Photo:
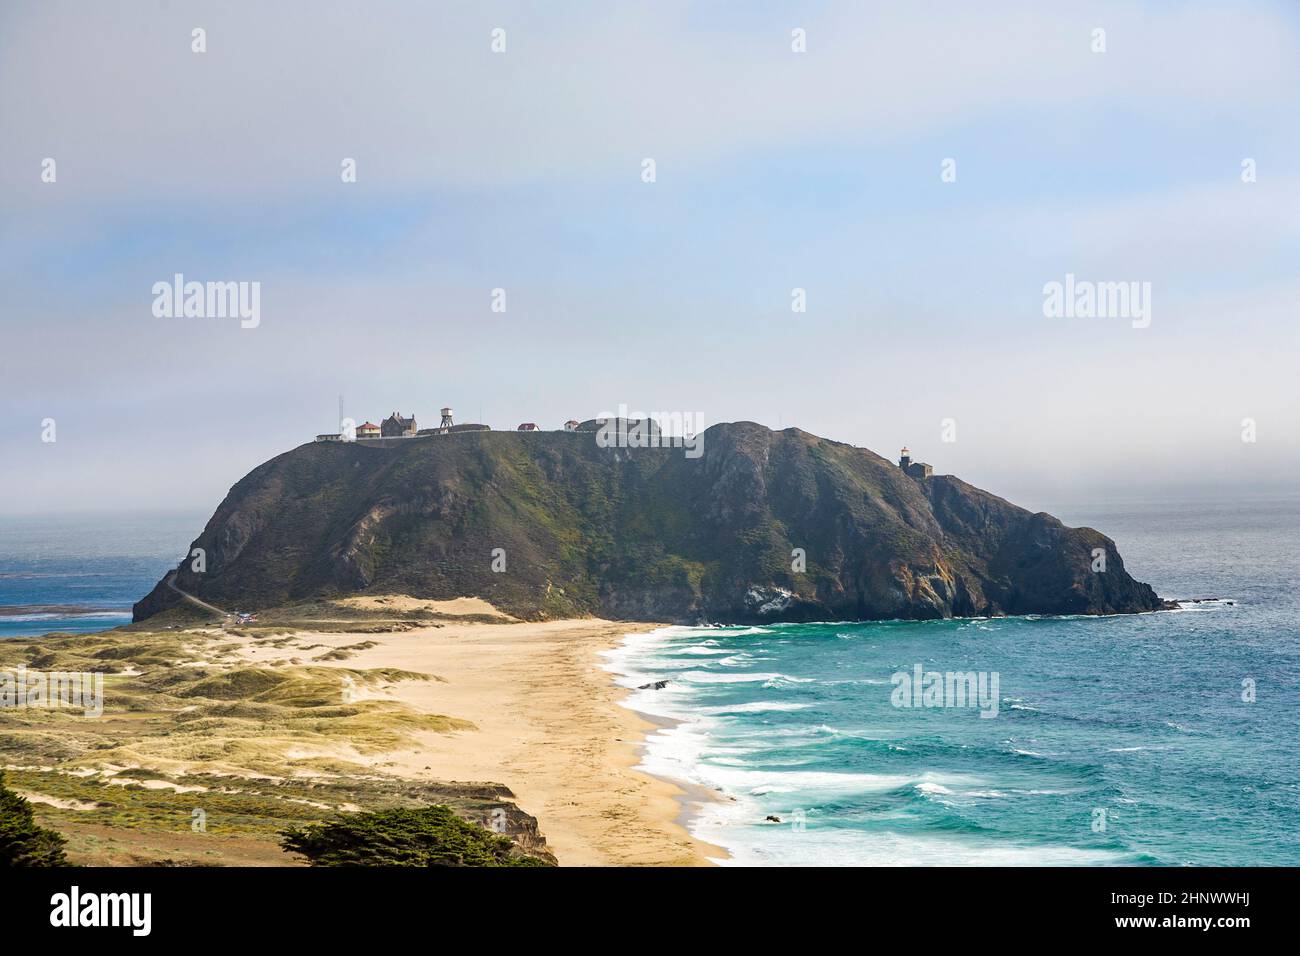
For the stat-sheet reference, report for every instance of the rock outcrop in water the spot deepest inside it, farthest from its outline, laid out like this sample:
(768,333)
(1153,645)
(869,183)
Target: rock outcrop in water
(643,533)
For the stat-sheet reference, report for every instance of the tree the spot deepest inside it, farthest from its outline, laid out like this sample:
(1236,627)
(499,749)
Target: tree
(22,841)
(405,836)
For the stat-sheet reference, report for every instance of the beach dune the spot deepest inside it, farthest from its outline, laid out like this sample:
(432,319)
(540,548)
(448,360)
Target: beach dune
(547,724)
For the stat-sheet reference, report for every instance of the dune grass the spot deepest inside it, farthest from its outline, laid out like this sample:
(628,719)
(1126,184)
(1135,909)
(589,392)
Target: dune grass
(195,742)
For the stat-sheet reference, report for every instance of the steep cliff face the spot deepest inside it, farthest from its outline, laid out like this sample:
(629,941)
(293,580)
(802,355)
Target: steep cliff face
(643,533)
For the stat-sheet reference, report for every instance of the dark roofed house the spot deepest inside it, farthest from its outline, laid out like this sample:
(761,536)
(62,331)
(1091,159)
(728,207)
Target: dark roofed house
(648,426)
(527,427)
(572,425)
(453,429)
(395,426)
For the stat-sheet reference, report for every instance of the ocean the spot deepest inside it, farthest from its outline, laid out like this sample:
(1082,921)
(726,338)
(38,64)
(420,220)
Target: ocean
(1116,740)
(1170,738)
(82,572)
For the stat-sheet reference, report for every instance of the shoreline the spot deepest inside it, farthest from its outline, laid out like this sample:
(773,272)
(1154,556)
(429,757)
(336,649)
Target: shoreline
(549,723)
(372,700)
(692,796)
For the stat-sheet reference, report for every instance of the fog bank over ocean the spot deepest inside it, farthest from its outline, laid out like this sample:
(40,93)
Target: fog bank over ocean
(817,175)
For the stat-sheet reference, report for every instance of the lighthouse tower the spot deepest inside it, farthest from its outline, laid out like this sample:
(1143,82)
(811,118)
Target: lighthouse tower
(914,469)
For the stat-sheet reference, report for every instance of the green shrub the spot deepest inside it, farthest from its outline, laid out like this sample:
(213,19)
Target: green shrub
(22,842)
(424,836)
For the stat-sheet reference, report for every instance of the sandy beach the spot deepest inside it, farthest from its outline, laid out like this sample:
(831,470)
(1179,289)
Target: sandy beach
(547,724)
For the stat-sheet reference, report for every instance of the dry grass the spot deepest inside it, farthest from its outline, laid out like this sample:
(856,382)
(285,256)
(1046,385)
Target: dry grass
(190,726)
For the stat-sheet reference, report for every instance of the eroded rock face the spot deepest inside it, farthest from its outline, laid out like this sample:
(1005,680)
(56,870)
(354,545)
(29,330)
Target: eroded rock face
(771,601)
(644,533)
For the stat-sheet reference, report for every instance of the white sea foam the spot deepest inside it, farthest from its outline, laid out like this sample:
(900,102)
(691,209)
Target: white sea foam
(715,748)
(66,615)
(927,787)
(680,752)
(832,846)
(709,677)
(769,733)
(754,707)
(785,680)
(873,734)
(868,681)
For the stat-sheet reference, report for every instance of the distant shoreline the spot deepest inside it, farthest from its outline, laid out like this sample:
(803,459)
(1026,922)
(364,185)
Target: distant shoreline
(61,610)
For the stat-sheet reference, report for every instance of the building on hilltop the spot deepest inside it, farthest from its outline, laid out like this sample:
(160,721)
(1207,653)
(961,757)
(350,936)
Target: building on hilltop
(369,430)
(395,426)
(914,469)
(453,429)
(572,425)
(528,427)
(469,427)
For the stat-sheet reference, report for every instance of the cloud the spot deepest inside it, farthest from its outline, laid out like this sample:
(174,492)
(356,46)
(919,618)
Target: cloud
(285,91)
(478,170)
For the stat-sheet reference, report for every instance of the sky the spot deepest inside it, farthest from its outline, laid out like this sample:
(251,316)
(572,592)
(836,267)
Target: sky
(523,169)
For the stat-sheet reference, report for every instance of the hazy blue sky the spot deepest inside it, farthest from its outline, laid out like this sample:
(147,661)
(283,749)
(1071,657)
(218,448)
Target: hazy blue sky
(775,170)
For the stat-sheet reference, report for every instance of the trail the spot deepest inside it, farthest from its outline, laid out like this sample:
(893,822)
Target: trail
(171,583)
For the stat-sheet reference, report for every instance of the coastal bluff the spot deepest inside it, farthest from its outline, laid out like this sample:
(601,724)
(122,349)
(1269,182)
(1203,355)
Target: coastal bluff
(762,526)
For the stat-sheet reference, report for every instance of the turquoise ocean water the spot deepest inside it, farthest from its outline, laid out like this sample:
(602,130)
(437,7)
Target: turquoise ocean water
(1117,740)
(1137,716)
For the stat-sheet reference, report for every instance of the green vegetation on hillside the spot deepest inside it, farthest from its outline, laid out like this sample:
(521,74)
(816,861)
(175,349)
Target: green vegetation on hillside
(642,533)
